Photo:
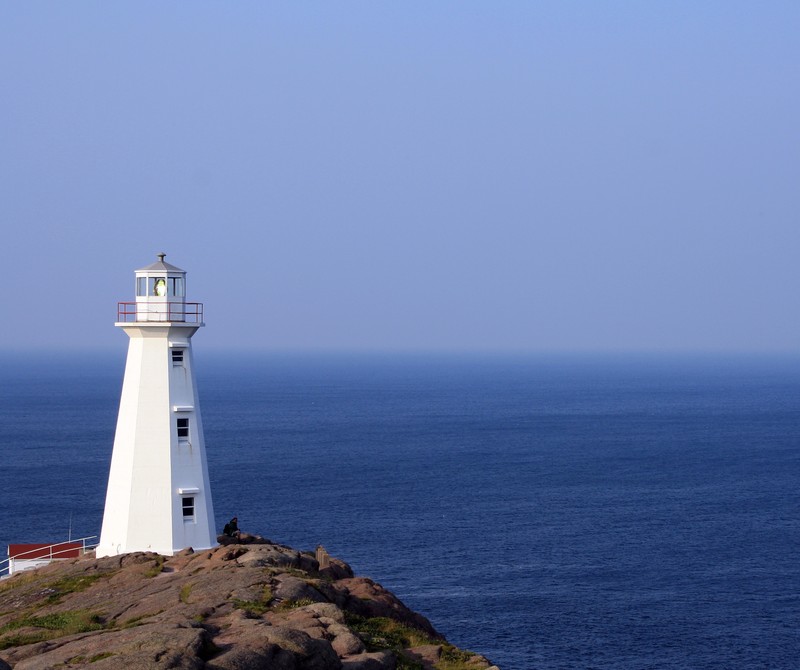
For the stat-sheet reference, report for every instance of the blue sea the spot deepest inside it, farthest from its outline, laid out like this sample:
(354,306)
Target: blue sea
(622,512)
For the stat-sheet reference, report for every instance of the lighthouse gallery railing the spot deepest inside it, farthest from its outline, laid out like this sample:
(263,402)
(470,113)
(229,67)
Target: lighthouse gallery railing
(129,312)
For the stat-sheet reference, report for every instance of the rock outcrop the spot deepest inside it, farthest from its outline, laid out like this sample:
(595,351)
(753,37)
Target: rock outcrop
(241,606)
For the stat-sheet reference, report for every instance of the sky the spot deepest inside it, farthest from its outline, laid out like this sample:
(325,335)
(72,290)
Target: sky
(419,176)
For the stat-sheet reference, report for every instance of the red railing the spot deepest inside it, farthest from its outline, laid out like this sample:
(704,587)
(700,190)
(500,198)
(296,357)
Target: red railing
(129,312)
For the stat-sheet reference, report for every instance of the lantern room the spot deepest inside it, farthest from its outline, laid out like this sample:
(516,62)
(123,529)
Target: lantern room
(160,296)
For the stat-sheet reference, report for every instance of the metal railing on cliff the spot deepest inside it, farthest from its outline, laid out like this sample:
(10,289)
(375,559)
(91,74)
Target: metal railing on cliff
(46,552)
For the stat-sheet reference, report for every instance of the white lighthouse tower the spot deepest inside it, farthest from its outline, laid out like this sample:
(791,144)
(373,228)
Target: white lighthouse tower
(158,497)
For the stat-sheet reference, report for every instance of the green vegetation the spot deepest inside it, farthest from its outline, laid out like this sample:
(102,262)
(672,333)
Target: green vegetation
(53,625)
(71,585)
(454,658)
(157,568)
(186,591)
(255,608)
(137,620)
(17,580)
(57,624)
(294,604)
(294,572)
(379,633)
(252,608)
(20,640)
(80,660)
(405,663)
(75,621)
(100,657)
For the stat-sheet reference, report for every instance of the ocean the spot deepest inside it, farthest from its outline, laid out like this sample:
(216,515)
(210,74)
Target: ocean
(623,512)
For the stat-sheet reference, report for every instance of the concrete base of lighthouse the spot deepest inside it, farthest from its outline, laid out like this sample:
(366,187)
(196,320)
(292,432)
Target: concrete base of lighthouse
(159,496)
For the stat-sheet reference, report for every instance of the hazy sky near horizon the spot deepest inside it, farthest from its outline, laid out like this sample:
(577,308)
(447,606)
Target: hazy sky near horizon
(540,176)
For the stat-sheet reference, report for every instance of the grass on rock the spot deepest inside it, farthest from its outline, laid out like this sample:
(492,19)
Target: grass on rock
(48,626)
(380,633)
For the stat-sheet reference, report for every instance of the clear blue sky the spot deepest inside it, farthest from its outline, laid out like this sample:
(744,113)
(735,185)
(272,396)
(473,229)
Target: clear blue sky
(541,176)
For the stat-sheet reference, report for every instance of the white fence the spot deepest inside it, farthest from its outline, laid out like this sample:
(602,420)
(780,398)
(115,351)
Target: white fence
(42,554)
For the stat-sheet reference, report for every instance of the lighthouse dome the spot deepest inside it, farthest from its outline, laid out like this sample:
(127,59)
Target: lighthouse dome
(160,266)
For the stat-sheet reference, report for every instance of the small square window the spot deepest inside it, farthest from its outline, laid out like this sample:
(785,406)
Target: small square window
(183,429)
(177,356)
(188,506)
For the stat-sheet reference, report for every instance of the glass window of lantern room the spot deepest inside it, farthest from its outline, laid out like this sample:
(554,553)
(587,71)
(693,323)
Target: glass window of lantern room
(176,286)
(141,286)
(159,285)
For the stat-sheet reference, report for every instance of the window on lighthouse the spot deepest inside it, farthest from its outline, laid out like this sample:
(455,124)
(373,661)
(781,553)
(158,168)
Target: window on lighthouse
(176,286)
(188,507)
(177,357)
(183,429)
(151,286)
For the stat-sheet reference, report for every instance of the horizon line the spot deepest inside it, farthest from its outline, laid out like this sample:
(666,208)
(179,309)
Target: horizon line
(420,351)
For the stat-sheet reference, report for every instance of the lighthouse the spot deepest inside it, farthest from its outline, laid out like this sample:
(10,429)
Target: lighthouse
(159,497)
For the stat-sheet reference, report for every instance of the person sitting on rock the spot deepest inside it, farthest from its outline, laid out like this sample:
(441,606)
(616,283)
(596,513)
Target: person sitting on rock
(231,528)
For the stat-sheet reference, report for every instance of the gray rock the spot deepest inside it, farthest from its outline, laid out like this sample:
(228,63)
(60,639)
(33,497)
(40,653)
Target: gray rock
(379,660)
(267,555)
(327,611)
(289,588)
(347,644)
(272,657)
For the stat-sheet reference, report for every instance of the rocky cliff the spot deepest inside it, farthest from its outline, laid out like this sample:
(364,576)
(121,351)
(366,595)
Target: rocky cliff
(235,607)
